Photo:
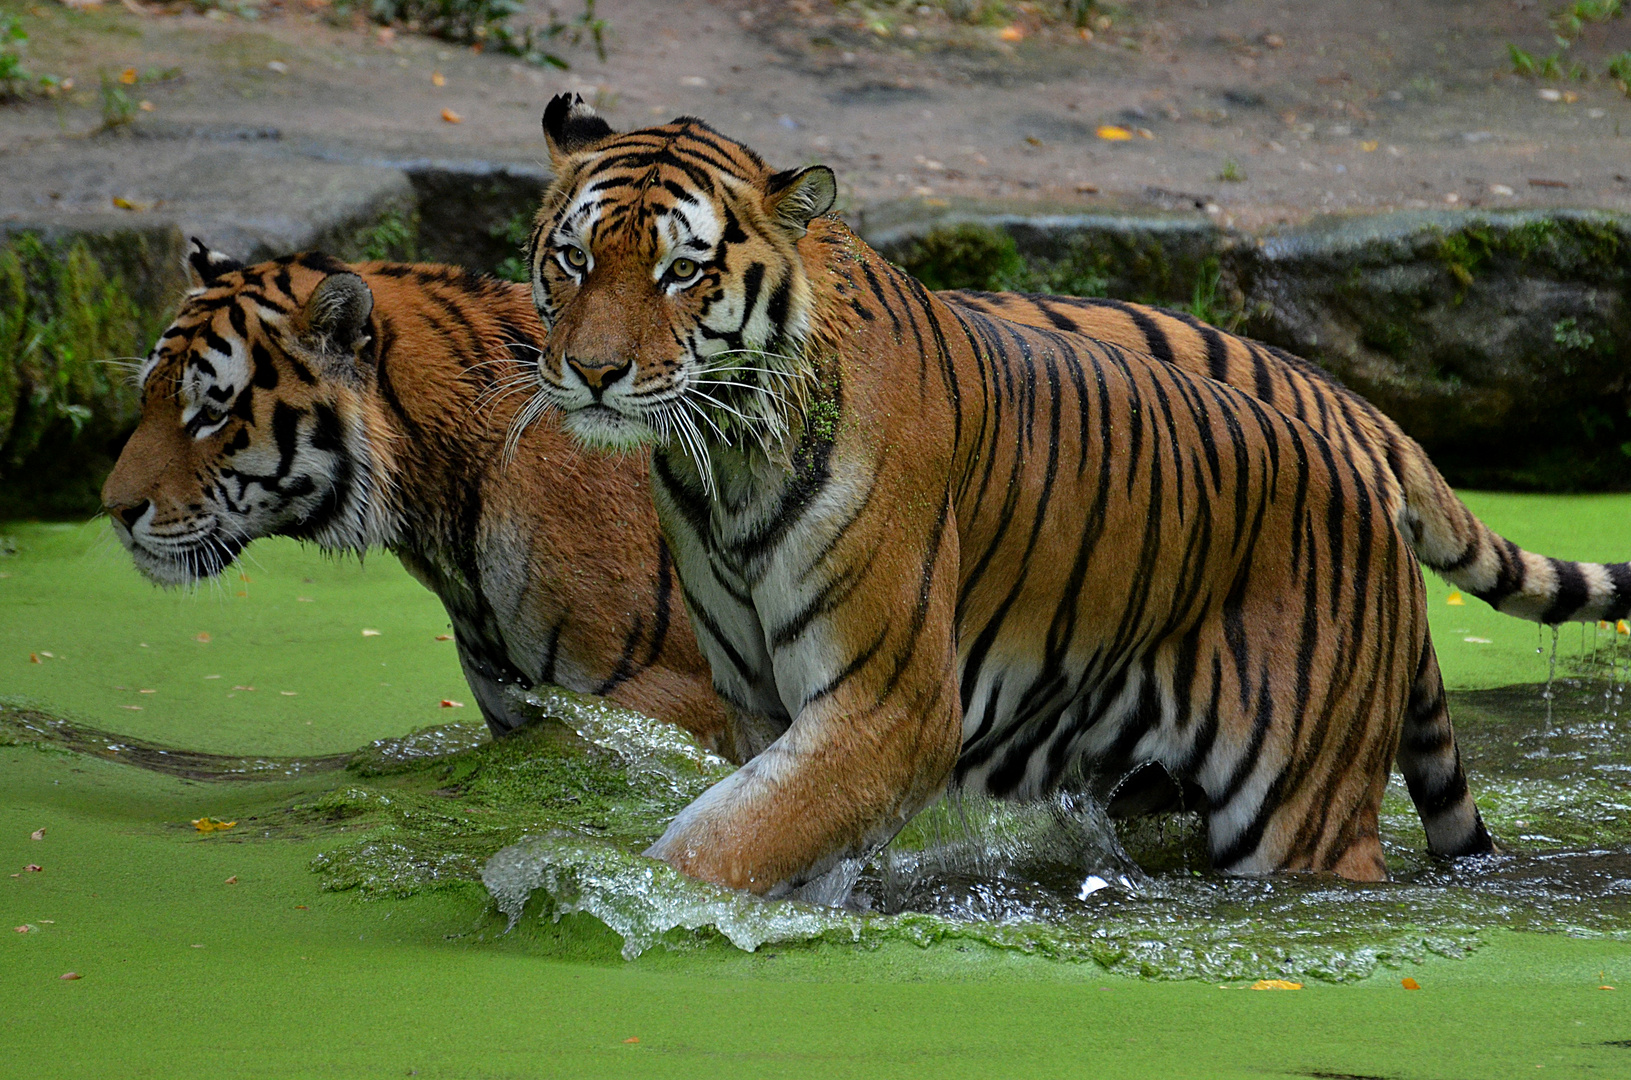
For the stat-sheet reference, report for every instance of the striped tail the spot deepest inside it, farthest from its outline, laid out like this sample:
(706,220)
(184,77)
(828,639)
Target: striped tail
(1431,763)
(1450,539)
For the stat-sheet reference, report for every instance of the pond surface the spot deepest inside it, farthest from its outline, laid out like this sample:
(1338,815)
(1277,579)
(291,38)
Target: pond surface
(552,823)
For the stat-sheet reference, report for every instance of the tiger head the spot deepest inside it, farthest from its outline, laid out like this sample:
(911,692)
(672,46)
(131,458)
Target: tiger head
(665,264)
(253,419)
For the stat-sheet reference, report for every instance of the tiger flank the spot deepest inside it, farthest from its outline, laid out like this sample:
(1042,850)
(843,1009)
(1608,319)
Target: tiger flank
(368,406)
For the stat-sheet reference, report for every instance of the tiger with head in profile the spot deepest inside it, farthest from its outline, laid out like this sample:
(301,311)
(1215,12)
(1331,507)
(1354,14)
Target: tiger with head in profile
(338,404)
(923,545)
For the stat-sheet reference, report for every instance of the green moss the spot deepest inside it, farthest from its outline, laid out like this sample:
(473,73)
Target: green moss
(1569,246)
(69,333)
(965,256)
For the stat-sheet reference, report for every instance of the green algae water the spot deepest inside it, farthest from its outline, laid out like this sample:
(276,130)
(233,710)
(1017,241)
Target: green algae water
(550,824)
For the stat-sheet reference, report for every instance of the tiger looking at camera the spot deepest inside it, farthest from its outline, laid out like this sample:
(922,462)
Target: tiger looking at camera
(924,545)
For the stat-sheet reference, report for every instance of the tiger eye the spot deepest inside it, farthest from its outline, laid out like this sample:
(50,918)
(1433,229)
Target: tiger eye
(576,259)
(682,268)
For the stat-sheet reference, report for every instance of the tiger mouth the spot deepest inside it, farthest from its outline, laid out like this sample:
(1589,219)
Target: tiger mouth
(186,561)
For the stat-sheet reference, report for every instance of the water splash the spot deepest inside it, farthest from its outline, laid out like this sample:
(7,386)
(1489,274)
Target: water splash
(1055,878)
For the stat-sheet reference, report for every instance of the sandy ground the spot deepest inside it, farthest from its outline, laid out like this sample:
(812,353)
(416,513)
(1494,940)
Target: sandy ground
(1370,104)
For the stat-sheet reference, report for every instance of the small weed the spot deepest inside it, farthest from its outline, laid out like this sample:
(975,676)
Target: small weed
(1567,333)
(117,108)
(394,238)
(17,83)
(1231,173)
(1619,69)
(1206,305)
(517,230)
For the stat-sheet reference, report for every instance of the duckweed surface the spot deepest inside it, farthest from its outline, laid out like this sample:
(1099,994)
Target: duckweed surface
(553,823)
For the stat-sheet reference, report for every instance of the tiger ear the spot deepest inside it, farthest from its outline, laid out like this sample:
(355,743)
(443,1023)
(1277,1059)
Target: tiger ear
(570,125)
(206,267)
(796,197)
(338,310)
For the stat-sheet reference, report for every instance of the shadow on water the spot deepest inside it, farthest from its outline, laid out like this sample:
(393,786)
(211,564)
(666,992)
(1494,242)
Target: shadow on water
(552,823)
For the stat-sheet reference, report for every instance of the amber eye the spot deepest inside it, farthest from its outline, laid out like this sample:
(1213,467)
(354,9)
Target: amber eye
(681,269)
(575,258)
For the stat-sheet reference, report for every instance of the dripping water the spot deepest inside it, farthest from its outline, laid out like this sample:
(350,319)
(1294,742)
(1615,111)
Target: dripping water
(1551,678)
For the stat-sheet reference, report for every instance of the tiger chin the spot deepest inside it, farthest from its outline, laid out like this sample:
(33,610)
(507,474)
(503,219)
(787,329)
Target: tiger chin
(369,406)
(925,545)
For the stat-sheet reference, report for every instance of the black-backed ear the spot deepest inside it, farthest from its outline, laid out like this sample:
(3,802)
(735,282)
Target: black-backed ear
(571,125)
(798,196)
(206,267)
(338,311)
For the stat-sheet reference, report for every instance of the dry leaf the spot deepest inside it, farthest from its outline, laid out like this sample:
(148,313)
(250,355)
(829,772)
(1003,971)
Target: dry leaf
(48,656)
(25,929)
(1621,628)
(203,637)
(233,880)
(444,637)
(449,703)
(146,106)
(1410,984)
(33,868)
(1455,599)
(631,1039)
(438,79)
(209,824)
(1605,988)
(1275,984)
(1477,640)
(1113,133)
(277,66)
(370,633)
(1087,189)
(33,659)
(452,117)
(1369,145)
(128,76)
(1011,33)
(37,834)
(243,688)
(70,976)
(132,708)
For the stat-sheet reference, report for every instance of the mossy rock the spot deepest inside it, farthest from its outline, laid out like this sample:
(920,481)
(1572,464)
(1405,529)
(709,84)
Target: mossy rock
(77,312)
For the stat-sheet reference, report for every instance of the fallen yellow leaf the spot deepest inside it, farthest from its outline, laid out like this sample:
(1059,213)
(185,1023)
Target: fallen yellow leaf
(1410,984)
(1621,628)
(1275,984)
(209,824)
(452,117)
(1455,599)
(370,633)
(128,76)
(233,880)
(203,638)
(1113,133)
(1368,145)
(438,79)
(1011,33)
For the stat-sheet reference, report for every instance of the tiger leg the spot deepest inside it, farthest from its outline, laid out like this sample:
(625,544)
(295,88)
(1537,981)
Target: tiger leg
(876,731)
(1431,763)
(1310,799)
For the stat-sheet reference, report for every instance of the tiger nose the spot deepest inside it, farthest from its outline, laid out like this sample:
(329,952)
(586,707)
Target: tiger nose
(130,514)
(597,377)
